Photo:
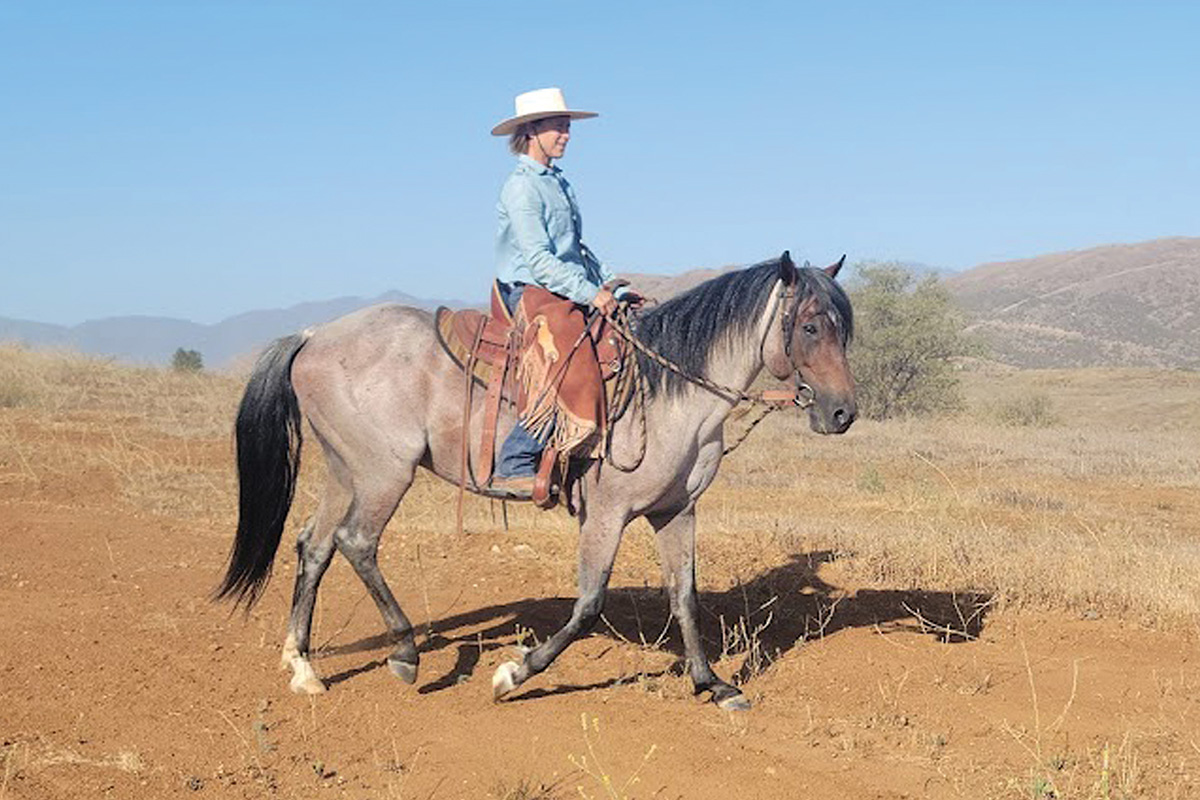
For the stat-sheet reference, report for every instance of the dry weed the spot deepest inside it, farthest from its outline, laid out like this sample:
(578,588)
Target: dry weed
(593,766)
(1098,515)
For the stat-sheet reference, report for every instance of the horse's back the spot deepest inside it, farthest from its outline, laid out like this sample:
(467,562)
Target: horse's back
(371,379)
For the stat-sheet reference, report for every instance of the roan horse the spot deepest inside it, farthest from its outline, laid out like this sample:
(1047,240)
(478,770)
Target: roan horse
(383,397)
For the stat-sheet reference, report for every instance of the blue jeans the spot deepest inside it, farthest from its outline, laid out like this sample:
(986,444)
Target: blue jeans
(520,453)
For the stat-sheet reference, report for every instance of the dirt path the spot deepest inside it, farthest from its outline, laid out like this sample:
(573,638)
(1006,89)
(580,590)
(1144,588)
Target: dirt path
(119,679)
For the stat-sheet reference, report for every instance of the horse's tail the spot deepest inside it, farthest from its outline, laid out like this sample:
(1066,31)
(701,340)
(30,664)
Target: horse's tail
(268,436)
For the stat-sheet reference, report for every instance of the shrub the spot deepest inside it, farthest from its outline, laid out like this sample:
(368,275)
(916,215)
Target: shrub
(187,360)
(15,392)
(1027,411)
(907,334)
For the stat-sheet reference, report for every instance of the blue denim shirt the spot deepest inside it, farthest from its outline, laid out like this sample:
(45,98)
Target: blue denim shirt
(540,238)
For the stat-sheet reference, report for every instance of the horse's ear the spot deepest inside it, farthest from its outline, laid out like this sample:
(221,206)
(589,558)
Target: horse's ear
(833,269)
(787,268)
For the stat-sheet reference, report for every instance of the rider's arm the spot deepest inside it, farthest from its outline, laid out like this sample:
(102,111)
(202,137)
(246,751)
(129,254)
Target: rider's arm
(525,209)
(606,274)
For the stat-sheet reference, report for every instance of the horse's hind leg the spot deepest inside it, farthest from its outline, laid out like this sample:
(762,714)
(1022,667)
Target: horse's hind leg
(677,549)
(598,541)
(314,551)
(358,541)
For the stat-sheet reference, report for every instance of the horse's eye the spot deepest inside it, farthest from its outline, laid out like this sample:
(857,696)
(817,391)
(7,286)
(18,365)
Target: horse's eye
(810,329)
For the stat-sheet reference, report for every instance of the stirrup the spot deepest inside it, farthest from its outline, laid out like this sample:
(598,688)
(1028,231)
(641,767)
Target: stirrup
(546,482)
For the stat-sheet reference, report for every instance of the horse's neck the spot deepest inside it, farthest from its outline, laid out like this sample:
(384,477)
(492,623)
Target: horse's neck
(734,363)
(737,362)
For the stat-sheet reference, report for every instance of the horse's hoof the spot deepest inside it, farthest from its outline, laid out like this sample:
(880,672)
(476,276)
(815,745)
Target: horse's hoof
(310,685)
(734,702)
(403,670)
(504,680)
(304,678)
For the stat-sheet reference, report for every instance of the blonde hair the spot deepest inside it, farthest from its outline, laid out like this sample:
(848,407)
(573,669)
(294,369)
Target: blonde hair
(518,140)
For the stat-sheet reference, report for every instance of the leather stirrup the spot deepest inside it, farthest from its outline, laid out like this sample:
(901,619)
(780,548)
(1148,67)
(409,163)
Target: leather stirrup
(545,492)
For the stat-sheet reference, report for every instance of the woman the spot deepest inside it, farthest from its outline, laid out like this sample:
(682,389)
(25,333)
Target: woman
(539,243)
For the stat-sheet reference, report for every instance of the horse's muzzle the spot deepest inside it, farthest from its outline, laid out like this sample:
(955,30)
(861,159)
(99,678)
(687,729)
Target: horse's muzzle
(832,415)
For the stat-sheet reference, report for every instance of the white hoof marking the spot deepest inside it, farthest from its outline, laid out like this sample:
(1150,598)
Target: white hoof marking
(304,678)
(290,652)
(504,679)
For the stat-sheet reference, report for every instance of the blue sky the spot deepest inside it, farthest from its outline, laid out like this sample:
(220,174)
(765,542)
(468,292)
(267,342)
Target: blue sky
(199,159)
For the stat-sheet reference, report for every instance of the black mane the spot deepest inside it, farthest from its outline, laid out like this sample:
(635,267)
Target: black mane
(687,328)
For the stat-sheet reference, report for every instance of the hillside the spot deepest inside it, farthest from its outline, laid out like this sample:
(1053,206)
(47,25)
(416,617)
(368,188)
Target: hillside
(1118,305)
(144,339)
(149,339)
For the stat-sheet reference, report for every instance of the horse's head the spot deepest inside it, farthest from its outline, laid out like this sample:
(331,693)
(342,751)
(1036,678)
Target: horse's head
(814,326)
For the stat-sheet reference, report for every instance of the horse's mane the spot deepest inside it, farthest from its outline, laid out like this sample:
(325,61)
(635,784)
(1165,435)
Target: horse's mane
(687,328)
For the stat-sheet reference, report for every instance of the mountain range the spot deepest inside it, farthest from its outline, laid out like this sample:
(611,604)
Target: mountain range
(145,339)
(1116,305)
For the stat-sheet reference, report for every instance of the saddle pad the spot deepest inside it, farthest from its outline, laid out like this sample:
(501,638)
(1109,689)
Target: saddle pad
(457,330)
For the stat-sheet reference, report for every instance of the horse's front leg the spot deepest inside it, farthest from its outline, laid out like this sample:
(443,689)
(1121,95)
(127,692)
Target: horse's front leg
(677,549)
(599,537)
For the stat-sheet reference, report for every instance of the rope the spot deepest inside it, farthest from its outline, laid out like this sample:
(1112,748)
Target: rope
(699,380)
(803,399)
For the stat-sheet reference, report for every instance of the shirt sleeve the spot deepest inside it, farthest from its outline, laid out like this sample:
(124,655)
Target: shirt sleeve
(606,274)
(524,208)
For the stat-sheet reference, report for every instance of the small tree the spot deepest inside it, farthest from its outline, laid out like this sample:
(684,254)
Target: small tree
(187,360)
(907,331)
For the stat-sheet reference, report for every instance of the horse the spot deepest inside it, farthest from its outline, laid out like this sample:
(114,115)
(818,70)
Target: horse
(382,397)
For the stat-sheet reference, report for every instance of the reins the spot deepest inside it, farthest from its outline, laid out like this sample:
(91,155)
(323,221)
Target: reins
(768,400)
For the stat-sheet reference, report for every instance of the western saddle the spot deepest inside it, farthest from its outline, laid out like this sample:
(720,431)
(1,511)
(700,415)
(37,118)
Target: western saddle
(495,351)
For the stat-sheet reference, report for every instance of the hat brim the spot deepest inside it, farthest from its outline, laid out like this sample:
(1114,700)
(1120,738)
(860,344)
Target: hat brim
(510,125)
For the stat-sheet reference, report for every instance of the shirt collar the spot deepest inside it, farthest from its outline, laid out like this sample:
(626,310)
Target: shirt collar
(537,167)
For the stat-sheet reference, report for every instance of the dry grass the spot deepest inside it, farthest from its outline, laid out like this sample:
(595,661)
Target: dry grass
(149,434)
(1095,514)
(1098,514)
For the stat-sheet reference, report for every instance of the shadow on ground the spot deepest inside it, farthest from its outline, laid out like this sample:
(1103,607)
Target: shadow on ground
(762,618)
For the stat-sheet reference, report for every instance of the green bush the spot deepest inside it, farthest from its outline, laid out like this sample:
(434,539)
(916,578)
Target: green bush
(908,333)
(187,360)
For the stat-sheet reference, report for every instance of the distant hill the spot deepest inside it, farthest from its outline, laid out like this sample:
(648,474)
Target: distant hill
(1118,305)
(154,339)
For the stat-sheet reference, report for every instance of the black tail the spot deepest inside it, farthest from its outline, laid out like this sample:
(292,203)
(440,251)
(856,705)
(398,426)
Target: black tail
(268,436)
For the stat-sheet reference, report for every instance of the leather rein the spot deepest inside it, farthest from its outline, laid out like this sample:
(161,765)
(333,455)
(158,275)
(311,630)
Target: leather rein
(802,396)
(767,400)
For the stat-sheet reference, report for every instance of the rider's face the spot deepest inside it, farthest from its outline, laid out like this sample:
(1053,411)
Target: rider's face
(550,138)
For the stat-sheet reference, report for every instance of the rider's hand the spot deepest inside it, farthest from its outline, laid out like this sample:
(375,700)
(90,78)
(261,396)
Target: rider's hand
(605,301)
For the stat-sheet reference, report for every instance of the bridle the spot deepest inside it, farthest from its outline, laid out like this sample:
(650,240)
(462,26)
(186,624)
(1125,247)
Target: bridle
(803,395)
(766,401)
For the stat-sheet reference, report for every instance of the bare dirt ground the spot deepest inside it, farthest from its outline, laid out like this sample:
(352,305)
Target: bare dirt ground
(916,611)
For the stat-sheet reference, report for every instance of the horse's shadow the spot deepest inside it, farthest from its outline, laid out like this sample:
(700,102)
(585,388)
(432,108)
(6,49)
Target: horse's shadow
(757,620)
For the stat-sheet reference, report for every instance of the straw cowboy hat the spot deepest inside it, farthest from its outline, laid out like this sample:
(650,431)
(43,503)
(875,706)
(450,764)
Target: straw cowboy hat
(539,104)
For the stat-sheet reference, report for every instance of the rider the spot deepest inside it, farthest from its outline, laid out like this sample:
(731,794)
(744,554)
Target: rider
(539,243)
